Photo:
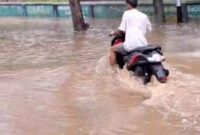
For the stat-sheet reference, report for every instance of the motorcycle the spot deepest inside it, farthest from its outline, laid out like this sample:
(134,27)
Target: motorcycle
(143,62)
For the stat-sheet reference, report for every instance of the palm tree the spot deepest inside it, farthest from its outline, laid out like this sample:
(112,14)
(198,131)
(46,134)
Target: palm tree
(77,16)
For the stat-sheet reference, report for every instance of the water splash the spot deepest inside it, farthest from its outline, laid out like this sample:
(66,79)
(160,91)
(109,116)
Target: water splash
(169,99)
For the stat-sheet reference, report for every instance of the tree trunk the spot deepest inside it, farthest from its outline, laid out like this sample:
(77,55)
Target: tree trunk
(159,11)
(77,16)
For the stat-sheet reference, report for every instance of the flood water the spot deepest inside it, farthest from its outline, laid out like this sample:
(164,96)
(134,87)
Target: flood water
(54,81)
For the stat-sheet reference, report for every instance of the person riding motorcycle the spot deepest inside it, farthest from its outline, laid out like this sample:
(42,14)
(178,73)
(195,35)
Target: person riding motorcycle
(135,25)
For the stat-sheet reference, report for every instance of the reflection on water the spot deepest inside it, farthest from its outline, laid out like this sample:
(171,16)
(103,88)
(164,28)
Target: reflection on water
(54,81)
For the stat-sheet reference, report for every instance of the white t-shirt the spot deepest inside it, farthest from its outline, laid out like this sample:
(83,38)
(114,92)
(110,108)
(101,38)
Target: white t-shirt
(135,24)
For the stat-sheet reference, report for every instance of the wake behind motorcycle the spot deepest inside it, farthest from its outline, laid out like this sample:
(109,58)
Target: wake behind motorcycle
(144,62)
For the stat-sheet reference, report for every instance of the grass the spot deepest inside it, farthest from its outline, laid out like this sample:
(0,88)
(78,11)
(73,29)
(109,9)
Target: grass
(141,1)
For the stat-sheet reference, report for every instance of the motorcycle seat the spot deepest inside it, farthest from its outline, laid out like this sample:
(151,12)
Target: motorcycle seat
(146,49)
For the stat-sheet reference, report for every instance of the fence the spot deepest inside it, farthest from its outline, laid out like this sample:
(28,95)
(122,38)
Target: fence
(90,9)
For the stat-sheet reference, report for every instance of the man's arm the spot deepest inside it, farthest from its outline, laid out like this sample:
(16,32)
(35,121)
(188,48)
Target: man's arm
(117,32)
(148,24)
(122,27)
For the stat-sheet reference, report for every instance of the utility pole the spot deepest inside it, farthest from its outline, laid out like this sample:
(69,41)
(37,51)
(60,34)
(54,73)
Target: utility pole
(77,16)
(159,11)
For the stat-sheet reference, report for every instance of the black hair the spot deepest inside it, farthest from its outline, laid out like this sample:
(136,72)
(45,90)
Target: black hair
(133,3)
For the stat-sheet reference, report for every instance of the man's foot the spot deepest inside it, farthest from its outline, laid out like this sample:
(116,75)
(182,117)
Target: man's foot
(114,70)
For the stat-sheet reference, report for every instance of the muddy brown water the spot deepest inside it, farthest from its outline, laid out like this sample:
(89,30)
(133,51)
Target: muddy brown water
(54,81)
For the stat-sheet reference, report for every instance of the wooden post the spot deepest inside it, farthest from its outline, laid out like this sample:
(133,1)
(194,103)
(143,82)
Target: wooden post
(185,13)
(25,13)
(92,11)
(55,11)
(77,16)
(159,11)
(179,11)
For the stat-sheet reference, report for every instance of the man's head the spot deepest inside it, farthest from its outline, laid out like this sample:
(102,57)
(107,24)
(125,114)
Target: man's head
(132,3)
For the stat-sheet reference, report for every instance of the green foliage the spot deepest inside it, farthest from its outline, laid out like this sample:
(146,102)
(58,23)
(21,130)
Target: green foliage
(168,1)
(45,0)
(141,1)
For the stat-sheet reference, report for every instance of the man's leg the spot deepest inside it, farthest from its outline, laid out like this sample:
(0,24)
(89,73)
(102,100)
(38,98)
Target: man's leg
(113,51)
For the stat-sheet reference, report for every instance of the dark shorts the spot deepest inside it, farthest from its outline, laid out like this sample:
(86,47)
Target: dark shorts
(122,50)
